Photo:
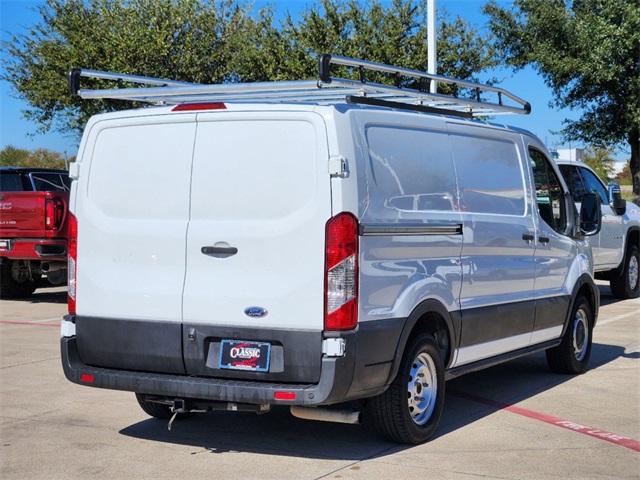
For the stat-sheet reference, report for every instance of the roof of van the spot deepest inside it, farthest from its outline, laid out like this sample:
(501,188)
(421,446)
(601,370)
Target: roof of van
(200,107)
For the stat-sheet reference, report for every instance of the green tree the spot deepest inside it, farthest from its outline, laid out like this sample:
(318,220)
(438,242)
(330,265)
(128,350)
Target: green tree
(11,156)
(602,161)
(215,41)
(588,52)
(391,32)
(624,176)
(190,40)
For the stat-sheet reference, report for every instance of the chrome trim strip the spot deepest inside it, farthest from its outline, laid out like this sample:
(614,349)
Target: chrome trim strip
(408,229)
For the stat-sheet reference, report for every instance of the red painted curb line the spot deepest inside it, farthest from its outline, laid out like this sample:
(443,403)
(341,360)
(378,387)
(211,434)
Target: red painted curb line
(550,419)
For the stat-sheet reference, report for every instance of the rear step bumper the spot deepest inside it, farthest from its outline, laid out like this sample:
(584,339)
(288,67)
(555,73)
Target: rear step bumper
(333,386)
(35,249)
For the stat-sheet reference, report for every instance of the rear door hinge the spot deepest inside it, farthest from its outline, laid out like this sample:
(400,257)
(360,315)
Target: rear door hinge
(338,167)
(74,170)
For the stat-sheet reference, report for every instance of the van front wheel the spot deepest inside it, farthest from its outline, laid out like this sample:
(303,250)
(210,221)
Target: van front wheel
(410,409)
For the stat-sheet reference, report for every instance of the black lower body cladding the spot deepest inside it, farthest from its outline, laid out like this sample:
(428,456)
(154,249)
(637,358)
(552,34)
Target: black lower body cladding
(182,361)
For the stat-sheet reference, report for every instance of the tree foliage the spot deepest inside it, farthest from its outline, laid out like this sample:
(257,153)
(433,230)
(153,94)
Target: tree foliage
(624,176)
(394,34)
(601,160)
(214,41)
(11,156)
(588,52)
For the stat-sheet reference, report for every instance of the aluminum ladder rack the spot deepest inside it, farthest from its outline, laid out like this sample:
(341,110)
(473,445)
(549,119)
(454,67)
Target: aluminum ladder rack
(327,90)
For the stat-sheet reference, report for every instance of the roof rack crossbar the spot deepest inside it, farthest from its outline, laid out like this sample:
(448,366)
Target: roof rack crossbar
(325,77)
(326,90)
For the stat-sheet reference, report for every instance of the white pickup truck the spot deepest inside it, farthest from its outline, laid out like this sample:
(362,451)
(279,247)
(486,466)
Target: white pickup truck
(615,248)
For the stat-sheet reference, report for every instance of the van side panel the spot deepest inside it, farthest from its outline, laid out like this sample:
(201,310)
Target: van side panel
(410,232)
(496,299)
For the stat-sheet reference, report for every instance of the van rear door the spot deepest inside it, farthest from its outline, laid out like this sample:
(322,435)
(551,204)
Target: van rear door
(132,210)
(260,199)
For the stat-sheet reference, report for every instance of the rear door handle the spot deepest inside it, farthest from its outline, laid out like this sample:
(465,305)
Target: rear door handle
(219,252)
(543,239)
(528,237)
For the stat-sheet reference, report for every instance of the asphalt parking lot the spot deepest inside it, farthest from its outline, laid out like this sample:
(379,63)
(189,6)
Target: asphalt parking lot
(514,421)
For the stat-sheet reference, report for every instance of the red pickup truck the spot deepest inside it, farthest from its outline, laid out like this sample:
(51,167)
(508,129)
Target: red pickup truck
(33,229)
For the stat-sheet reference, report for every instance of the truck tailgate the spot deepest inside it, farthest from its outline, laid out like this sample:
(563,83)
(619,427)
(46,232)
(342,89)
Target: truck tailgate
(25,214)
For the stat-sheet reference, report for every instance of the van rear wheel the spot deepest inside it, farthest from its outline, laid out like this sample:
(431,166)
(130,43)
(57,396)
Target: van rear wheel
(572,355)
(410,409)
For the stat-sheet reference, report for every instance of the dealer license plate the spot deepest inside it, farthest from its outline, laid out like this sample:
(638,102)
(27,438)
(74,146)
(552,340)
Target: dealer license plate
(245,355)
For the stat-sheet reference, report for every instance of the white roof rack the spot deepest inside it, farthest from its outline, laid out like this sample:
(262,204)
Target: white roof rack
(325,90)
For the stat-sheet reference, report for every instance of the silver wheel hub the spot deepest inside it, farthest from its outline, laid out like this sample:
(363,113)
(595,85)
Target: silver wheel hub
(422,389)
(580,335)
(633,272)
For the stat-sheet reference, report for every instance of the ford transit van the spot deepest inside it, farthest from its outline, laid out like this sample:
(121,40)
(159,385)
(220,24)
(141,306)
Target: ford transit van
(245,246)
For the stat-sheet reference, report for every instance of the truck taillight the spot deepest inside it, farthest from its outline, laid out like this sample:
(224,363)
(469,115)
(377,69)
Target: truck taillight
(53,213)
(71,267)
(341,273)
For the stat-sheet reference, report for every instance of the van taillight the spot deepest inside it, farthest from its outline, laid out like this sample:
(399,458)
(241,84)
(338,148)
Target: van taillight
(71,267)
(53,213)
(341,273)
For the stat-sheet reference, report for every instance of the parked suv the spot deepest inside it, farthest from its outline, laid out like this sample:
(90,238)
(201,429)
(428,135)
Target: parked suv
(615,248)
(283,244)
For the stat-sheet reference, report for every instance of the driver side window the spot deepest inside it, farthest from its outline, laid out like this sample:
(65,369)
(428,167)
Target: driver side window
(549,192)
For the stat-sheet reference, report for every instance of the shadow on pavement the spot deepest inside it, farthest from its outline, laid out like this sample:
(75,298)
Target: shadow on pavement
(279,433)
(46,295)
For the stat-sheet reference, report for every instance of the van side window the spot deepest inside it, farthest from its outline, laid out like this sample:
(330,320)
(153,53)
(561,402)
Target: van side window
(548,192)
(490,175)
(412,168)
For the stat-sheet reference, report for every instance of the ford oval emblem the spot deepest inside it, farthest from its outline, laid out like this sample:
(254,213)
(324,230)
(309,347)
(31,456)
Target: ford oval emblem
(256,312)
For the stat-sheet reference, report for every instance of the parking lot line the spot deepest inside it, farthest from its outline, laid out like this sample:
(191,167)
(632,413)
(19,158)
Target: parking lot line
(33,324)
(550,419)
(616,318)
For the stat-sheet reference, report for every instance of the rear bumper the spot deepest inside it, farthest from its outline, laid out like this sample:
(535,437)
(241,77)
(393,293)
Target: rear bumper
(34,249)
(334,383)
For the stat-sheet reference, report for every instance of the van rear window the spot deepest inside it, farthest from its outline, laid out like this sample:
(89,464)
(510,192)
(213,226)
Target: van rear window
(412,167)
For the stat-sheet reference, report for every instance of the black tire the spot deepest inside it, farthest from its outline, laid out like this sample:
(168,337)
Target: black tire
(410,409)
(627,285)
(16,280)
(158,410)
(572,355)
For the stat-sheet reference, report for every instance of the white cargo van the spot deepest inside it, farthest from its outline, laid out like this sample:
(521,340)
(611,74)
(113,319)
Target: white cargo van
(335,243)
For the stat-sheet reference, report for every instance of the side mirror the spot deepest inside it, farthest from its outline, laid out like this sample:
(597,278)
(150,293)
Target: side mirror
(618,203)
(590,215)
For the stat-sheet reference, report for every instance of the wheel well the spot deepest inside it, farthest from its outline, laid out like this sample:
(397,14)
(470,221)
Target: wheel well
(433,324)
(633,238)
(588,293)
